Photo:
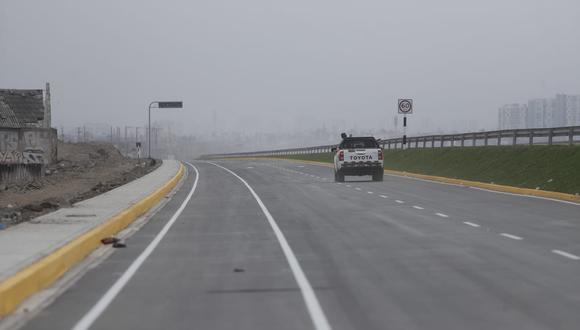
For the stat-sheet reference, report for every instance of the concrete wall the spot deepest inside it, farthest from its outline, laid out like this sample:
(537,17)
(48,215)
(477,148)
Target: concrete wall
(25,151)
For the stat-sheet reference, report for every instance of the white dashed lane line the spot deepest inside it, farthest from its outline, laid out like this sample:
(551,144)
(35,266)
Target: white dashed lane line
(370,192)
(400,201)
(384,196)
(517,238)
(442,215)
(471,224)
(417,207)
(566,254)
(357,188)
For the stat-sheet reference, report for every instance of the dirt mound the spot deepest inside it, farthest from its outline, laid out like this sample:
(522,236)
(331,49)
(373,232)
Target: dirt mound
(83,170)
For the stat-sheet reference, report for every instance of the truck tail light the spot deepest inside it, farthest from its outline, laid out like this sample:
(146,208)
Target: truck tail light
(341,156)
(380,154)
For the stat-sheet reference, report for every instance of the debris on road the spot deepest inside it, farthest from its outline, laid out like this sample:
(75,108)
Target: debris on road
(110,240)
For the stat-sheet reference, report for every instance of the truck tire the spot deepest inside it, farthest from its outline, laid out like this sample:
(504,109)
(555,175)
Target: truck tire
(338,176)
(378,175)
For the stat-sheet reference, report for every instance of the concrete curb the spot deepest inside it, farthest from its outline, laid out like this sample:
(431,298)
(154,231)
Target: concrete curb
(477,184)
(45,271)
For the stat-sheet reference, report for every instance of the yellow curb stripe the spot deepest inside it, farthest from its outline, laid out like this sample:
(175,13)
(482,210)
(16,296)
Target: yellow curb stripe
(483,185)
(44,272)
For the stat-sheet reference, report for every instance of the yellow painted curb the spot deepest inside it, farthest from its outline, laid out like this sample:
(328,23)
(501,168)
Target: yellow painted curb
(483,185)
(44,272)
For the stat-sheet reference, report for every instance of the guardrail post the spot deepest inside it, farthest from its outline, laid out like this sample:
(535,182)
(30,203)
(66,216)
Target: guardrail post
(416,143)
(550,136)
(389,144)
(424,142)
(485,139)
(433,141)
(452,142)
(571,136)
(531,137)
(515,140)
(499,138)
(442,141)
(462,140)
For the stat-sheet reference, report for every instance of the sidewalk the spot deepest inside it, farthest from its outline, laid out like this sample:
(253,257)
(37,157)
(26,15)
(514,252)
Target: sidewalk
(27,245)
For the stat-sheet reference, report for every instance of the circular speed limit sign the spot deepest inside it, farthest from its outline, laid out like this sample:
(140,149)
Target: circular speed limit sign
(405,106)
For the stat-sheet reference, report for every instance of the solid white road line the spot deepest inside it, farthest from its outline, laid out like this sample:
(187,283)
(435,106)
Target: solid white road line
(314,309)
(566,254)
(512,236)
(417,207)
(384,196)
(105,301)
(442,215)
(471,224)
(400,201)
(527,196)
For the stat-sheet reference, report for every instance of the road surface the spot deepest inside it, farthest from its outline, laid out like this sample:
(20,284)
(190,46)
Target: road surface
(399,254)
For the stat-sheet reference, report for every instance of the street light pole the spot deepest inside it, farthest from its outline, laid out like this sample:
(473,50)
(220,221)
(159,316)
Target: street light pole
(149,131)
(160,104)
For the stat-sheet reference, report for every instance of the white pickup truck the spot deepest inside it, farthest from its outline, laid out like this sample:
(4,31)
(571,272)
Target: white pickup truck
(358,156)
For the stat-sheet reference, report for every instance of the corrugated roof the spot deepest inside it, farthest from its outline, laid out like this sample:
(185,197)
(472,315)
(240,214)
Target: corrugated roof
(7,117)
(21,107)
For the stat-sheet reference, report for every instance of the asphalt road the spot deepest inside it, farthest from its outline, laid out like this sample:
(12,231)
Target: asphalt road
(398,254)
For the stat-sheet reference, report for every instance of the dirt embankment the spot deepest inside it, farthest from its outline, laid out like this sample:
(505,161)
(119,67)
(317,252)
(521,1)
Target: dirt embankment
(83,170)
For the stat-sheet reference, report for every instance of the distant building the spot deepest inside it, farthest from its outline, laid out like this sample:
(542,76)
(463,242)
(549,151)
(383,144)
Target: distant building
(537,115)
(512,116)
(562,110)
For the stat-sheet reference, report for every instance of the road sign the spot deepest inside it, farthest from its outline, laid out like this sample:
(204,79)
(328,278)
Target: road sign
(405,106)
(170,104)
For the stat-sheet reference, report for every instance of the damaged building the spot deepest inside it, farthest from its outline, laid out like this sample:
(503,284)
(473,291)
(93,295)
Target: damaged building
(27,141)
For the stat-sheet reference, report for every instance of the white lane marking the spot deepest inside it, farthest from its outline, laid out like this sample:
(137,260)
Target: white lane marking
(528,196)
(339,183)
(348,185)
(357,188)
(417,207)
(477,188)
(384,196)
(471,224)
(566,254)
(300,166)
(512,236)
(316,313)
(442,215)
(109,296)
(370,192)
(400,201)
(249,167)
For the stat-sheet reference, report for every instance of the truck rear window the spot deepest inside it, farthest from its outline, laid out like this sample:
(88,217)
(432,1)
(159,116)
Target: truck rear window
(359,143)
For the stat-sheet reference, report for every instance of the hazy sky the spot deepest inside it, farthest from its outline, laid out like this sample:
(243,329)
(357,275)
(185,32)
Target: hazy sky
(267,65)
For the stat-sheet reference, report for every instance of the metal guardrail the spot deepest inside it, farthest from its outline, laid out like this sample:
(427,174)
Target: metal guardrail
(569,135)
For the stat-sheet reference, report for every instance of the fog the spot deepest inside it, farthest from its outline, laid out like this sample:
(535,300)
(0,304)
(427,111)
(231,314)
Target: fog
(286,67)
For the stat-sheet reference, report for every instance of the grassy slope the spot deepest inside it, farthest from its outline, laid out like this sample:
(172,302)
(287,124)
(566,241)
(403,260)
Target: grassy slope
(554,168)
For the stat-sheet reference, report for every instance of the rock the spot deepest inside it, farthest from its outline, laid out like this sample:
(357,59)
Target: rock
(119,245)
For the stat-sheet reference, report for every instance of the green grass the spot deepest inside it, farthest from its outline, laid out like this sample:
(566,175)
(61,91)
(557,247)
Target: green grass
(553,168)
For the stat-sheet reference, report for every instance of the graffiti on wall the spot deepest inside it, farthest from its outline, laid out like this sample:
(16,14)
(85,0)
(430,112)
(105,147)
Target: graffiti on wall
(24,157)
